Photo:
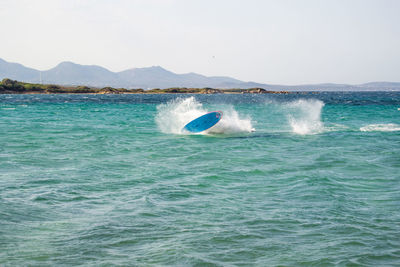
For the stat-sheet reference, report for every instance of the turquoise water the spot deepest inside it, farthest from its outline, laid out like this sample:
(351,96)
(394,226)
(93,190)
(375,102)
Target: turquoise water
(301,179)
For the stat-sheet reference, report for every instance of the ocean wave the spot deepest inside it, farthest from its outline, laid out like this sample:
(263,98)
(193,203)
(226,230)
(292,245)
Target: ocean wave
(382,127)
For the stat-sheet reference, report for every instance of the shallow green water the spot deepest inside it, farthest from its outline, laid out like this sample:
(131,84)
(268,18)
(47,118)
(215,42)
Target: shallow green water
(110,180)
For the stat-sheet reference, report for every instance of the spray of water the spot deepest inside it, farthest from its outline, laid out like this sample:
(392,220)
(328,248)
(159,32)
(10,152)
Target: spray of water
(304,116)
(231,123)
(174,115)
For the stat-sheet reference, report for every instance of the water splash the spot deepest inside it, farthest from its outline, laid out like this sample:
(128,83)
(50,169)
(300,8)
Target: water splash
(231,123)
(174,115)
(304,116)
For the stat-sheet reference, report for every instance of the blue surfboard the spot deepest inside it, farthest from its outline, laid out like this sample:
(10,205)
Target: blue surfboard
(204,122)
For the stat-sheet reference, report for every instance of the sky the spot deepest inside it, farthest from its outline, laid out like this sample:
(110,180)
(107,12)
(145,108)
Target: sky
(268,41)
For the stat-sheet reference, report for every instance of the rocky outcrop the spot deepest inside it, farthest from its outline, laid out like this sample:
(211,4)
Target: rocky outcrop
(211,91)
(108,90)
(257,91)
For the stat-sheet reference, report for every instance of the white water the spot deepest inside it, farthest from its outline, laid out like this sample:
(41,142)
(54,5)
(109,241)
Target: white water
(231,123)
(304,116)
(174,115)
(389,127)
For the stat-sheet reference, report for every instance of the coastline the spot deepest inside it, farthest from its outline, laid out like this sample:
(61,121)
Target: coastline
(8,86)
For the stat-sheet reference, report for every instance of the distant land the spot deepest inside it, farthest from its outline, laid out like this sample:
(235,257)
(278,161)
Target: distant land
(72,74)
(8,86)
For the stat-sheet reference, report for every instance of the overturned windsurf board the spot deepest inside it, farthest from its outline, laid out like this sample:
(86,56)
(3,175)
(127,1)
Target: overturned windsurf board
(203,122)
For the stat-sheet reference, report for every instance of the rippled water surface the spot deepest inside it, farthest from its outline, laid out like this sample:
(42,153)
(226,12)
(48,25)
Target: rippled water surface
(299,179)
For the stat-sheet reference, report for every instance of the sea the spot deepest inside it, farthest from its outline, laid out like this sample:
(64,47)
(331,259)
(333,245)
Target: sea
(301,179)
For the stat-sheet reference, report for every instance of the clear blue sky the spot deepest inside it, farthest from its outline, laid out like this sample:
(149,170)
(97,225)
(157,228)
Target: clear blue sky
(270,41)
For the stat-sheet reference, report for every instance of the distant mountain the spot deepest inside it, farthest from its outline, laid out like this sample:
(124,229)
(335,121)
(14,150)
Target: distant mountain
(382,85)
(158,77)
(17,71)
(69,73)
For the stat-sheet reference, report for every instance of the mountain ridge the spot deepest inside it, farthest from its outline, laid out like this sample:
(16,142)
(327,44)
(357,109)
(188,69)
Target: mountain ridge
(70,73)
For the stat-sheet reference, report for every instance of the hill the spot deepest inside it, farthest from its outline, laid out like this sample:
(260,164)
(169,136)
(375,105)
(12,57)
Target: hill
(72,74)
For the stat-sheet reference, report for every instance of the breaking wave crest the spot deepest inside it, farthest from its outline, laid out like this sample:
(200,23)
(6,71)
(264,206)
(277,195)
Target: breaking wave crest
(389,127)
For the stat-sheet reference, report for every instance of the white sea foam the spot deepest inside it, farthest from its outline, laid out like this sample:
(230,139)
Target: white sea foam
(304,116)
(389,127)
(174,115)
(231,123)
